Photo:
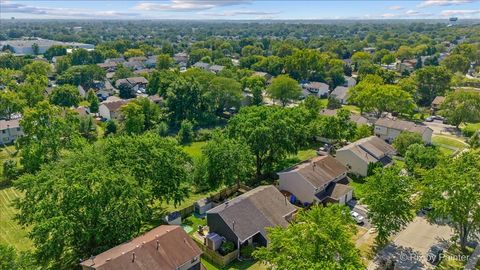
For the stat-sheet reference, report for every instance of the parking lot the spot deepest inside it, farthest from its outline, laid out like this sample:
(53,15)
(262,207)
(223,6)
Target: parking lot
(410,247)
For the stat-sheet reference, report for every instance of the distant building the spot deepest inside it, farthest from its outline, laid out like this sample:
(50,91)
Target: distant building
(356,118)
(340,93)
(389,129)
(111,109)
(317,88)
(24,46)
(10,130)
(165,248)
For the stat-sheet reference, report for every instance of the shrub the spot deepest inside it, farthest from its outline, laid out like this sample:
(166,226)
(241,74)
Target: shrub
(185,134)
(203,134)
(226,248)
(246,251)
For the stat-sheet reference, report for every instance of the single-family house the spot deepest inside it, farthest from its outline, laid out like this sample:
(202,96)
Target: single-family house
(157,99)
(340,93)
(202,65)
(370,50)
(317,88)
(437,103)
(166,247)
(349,81)
(264,75)
(111,109)
(216,68)
(119,60)
(388,129)
(322,179)
(137,59)
(10,130)
(81,91)
(180,57)
(244,219)
(356,118)
(151,61)
(108,66)
(134,65)
(359,155)
(135,83)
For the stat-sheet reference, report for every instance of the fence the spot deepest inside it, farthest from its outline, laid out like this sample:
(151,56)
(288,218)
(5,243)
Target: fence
(217,197)
(216,257)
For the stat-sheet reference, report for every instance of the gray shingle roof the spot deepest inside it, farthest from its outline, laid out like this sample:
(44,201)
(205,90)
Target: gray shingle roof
(252,212)
(401,125)
(370,149)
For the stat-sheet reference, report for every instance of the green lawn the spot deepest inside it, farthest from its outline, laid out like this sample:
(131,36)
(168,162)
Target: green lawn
(10,232)
(450,263)
(358,185)
(352,108)
(194,149)
(235,265)
(194,221)
(449,141)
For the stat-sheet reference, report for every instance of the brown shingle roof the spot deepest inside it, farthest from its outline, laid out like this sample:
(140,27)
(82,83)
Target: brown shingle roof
(319,171)
(401,125)
(165,247)
(438,101)
(358,119)
(114,105)
(14,123)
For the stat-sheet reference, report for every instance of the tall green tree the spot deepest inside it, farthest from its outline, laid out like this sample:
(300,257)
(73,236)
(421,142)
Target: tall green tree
(164,61)
(133,119)
(320,238)
(462,106)
(285,89)
(389,201)
(404,140)
(93,100)
(10,103)
(451,189)
(432,81)
(37,68)
(47,130)
(227,161)
(271,133)
(65,96)
(223,93)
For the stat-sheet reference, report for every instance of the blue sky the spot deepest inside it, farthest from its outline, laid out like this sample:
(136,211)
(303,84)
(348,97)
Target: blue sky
(239,9)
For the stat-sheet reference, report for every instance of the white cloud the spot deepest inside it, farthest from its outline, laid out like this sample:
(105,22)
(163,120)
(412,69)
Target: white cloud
(431,3)
(460,12)
(10,7)
(416,13)
(395,8)
(389,15)
(262,14)
(188,5)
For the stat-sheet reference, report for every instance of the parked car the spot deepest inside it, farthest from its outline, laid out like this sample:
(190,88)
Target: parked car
(357,217)
(430,119)
(434,255)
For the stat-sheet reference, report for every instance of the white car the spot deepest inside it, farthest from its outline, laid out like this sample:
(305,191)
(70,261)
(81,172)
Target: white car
(357,217)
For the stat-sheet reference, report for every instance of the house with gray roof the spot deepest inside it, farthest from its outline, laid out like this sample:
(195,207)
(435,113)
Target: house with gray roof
(316,88)
(244,219)
(340,93)
(319,180)
(202,65)
(216,69)
(359,155)
(356,118)
(388,129)
(10,130)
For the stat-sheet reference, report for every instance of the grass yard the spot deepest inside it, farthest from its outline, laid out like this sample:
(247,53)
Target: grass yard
(449,141)
(352,108)
(450,262)
(10,232)
(358,185)
(236,265)
(194,221)
(194,149)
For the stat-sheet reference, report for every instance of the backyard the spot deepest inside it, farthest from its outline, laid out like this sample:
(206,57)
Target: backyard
(10,232)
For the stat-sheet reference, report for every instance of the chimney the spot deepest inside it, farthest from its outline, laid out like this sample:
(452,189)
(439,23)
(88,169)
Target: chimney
(158,244)
(133,257)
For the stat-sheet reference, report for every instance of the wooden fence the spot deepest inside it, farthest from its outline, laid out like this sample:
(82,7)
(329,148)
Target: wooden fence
(216,257)
(217,197)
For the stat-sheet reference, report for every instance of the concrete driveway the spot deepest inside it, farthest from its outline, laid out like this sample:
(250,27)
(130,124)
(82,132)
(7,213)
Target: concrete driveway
(439,128)
(410,247)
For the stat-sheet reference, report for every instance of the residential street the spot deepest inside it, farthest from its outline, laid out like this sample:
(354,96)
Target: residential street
(410,247)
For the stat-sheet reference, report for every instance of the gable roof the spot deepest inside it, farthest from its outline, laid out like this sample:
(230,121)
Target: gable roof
(165,247)
(14,123)
(370,149)
(340,92)
(358,119)
(317,85)
(401,125)
(114,105)
(319,171)
(438,100)
(253,211)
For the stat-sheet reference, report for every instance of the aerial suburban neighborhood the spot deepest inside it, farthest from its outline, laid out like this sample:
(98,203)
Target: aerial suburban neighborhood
(248,135)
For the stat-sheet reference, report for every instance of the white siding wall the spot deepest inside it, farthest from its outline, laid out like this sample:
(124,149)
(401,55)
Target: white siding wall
(353,162)
(104,111)
(9,135)
(297,185)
